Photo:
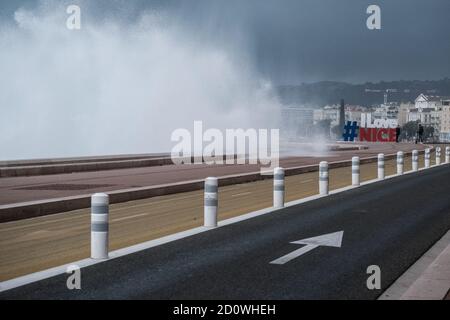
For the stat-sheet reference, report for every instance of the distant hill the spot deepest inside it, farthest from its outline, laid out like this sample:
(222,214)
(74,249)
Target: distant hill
(330,92)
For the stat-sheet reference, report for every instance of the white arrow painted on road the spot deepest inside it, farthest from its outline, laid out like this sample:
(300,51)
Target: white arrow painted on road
(330,240)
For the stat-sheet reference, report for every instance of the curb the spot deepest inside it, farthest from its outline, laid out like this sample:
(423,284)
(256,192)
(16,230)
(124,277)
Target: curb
(427,279)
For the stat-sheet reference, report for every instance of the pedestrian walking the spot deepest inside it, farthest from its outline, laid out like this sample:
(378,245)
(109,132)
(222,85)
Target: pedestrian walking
(398,130)
(419,134)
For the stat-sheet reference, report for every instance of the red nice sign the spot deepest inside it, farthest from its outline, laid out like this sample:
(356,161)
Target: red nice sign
(379,130)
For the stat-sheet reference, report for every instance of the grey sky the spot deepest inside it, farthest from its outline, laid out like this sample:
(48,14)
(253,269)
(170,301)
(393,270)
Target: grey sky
(293,41)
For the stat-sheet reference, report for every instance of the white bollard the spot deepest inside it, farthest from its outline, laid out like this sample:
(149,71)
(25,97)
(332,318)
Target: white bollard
(438,155)
(355,171)
(278,187)
(427,158)
(323,178)
(447,154)
(400,162)
(99,226)
(415,160)
(211,202)
(380,166)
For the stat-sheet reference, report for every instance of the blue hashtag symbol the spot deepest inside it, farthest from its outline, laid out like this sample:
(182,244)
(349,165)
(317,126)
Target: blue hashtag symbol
(350,131)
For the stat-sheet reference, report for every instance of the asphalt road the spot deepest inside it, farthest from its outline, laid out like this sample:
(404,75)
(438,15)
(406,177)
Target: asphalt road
(389,224)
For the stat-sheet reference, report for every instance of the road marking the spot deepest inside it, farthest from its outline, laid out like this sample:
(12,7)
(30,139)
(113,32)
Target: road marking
(306,181)
(240,194)
(330,240)
(131,217)
(152,202)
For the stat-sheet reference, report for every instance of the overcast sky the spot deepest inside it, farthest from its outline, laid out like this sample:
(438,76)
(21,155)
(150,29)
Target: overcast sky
(293,41)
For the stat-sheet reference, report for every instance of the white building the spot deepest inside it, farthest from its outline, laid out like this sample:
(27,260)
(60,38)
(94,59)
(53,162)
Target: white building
(403,112)
(432,109)
(444,132)
(425,116)
(353,113)
(331,113)
(425,101)
(386,111)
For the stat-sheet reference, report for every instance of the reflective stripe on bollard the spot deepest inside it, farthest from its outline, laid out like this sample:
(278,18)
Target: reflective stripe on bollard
(355,171)
(400,162)
(211,202)
(415,160)
(447,154)
(427,158)
(99,226)
(380,166)
(323,178)
(438,156)
(278,187)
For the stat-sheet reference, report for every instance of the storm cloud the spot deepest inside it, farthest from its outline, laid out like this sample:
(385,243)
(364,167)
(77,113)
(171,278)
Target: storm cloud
(293,41)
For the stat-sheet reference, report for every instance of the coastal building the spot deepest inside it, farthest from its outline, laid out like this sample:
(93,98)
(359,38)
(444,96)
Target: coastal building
(327,113)
(403,111)
(444,131)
